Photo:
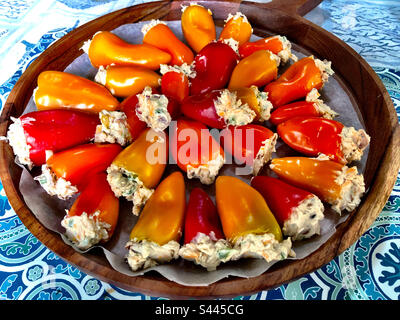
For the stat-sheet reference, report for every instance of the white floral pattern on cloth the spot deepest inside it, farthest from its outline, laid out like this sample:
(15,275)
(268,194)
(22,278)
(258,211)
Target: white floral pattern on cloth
(367,270)
(370,27)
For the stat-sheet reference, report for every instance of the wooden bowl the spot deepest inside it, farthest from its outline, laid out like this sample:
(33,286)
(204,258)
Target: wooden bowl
(278,17)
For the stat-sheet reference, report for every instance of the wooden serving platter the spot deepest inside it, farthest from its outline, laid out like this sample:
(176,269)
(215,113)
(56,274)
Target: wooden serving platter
(283,17)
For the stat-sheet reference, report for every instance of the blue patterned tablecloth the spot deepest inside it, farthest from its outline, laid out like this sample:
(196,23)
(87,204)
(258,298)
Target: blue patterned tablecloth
(370,269)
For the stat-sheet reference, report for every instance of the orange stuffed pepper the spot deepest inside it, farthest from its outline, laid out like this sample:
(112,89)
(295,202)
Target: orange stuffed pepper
(299,80)
(248,223)
(197,26)
(58,90)
(158,34)
(332,182)
(137,170)
(124,81)
(155,237)
(236,27)
(106,48)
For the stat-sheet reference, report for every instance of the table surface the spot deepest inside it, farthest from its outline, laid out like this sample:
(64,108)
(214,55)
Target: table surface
(369,269)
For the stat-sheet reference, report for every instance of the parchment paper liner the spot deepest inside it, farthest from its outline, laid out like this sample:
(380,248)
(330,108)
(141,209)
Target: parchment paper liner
(50,210)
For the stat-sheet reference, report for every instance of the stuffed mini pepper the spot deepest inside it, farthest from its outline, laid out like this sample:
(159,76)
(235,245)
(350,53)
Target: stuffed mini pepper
(65,173)
(340,186)
(218,109)
(106,48)
(297,211)
(204,240)
(278,45)
(34,133)
(94,214)
(196,151)
(299,80)
(155,237)
(138,111)
(309,108)
(314,136)
(248,223)
(250,144)
(137,170)
(62,90)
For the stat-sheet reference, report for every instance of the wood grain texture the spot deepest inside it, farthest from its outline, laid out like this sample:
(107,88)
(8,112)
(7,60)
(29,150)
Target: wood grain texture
(373,101)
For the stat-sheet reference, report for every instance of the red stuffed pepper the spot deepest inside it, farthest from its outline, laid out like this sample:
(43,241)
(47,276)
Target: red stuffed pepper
(139,111)
(277,44)
(196,151)
(204,240)
(94,214)
(251,144)
(297,211)
(175,81)
(313,136)
(34,133)
(213,66)
(314,108)
(218,109)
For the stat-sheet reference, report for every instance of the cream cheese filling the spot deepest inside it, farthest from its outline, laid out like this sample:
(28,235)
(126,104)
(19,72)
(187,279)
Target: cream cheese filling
(207,251)
(101,76)
(352,188)
(286,53)
(113,128)
(206,172)
(313,95)
(232,110)
(127,184)
(55,186)
(183,7)
(275,57)
(263,246)
(304,221)
(322,157)
(186,69)
(85,230)
(146,28)
(324,110)
(264,154)
(264,104)
(325,68)
(153,109)
(236,16)
(353,143)
(17,140)
(144,254)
